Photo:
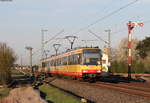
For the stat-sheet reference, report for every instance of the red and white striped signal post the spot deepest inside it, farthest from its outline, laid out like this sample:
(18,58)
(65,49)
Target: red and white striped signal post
(131,25)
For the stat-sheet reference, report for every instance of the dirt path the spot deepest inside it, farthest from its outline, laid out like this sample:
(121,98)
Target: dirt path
(23,95)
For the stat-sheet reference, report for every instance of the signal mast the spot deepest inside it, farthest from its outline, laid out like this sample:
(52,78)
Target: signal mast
(131,26)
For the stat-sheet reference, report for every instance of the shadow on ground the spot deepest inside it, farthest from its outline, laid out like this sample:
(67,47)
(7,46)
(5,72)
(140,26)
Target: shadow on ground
(21,81)
(119,79)
(43,96)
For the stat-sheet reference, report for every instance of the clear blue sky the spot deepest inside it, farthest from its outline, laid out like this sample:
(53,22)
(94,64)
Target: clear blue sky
(21,21)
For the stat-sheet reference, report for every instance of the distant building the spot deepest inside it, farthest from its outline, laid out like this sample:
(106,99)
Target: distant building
(22,67)
(105,62)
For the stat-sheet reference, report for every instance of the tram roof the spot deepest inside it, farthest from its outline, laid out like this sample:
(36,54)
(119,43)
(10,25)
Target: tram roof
(76,50)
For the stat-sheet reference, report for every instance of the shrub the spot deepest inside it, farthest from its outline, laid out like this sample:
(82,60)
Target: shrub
(7,58)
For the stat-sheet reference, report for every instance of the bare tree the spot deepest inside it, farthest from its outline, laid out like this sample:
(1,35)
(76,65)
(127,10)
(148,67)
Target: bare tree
(122,50)
(146,63)
(7,58)
(119,59)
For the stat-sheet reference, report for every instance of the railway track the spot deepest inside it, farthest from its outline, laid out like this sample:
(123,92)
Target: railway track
(137,86)
(125,88)
(138,89)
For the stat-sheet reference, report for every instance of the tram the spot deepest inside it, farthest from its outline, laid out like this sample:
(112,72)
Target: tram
(85,63)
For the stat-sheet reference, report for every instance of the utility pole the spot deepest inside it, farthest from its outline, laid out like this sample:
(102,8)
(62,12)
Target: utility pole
(71,39)
(109,49)
(42,42)
(109,38)
(131,25)
(46,53)
(56,47)
(30,58)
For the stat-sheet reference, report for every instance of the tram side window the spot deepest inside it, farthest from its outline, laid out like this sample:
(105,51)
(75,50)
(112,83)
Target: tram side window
(64,60)
(43,64)
(71,60)
(74,60)
(52,62)
(58,62)
(46,64)
(61,61)
(49,64)
(55,62)
(77,59)
(80,59)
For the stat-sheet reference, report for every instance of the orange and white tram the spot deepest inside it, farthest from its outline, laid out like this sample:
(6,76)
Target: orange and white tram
(81,62)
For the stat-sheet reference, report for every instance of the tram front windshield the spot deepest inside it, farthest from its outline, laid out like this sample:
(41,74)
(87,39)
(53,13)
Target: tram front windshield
(91,57)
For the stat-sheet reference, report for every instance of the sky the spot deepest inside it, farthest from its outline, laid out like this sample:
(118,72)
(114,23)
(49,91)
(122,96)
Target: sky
(21,22)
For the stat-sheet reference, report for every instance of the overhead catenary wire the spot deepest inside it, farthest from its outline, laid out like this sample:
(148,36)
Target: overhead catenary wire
(124,29)
(122,23)
(107,6)
(106,16)
(36,51)
(98,36)
(54,36)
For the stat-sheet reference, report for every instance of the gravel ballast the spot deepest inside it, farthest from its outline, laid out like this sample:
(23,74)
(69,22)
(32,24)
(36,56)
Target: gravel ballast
(97,94)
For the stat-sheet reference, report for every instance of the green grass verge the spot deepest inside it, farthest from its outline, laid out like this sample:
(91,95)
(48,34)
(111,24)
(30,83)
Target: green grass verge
(4,92)
(16,73)
(55,95)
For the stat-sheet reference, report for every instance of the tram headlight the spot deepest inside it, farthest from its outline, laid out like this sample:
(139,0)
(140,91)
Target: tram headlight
(98,71)
(85,71)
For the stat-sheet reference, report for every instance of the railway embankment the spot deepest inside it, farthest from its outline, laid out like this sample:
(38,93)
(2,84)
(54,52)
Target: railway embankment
(43,94)
(22,91)
(98,94)
(70,91)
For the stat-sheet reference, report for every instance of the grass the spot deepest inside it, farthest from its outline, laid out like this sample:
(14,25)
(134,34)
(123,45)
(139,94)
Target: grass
(16,73)
(4,92)
(56,96)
